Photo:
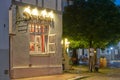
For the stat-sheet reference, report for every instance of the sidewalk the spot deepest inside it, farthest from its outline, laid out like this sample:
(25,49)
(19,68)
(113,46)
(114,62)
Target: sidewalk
(81,73)
(64,76)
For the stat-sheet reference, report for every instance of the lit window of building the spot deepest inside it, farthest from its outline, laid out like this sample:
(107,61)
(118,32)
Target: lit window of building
(38,38)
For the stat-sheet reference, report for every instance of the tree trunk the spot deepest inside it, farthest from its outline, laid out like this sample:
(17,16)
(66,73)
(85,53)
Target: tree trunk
(95,57)
(75,57)
(91,58)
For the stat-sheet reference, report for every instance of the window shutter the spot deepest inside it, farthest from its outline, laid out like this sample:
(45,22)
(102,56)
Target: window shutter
(51,43)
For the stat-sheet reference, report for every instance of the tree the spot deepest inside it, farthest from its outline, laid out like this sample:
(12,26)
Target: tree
(94,22)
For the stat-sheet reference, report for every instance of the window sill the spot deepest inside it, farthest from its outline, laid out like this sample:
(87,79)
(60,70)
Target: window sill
(39,54)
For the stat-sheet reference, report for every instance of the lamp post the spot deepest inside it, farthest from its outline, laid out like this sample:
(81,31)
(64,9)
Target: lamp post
(112,53)
(66,58)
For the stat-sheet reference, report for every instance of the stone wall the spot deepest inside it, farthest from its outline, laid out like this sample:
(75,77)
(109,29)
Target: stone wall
(41,64)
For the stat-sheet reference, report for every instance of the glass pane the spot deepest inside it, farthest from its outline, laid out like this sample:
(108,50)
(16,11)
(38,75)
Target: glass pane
(38,29)
(46,30)
(37,43)
(32,46)
(46,42)
(31,28)
(32,38)
(52,39)
(38,40)
(51,47)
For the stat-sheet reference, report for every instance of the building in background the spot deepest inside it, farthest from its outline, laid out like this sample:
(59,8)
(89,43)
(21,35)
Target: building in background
(35,37)
(4,40)
(66,3)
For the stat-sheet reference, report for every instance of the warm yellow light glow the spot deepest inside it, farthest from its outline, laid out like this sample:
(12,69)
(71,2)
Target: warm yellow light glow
(62,42)
(34,12)
(66,40)
(44,13)
(50,14)
(94,51)
(27,10)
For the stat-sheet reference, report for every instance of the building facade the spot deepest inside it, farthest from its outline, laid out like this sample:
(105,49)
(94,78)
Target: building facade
(35,29)
(66,3)
(4,40)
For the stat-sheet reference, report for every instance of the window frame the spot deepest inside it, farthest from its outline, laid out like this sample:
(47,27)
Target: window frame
(52,43)
(47,47)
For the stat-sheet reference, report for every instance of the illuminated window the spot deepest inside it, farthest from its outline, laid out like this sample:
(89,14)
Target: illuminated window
(38,39)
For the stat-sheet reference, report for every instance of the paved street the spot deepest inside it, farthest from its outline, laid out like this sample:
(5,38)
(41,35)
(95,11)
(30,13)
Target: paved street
(103,74)
(114,64)
(81,73)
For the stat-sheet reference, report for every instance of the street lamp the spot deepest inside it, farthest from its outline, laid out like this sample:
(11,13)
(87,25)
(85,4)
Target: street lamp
(111,48)
(65,43)
(112,53)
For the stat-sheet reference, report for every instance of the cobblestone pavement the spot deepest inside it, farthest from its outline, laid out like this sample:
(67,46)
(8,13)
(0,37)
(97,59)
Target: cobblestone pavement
(81,73)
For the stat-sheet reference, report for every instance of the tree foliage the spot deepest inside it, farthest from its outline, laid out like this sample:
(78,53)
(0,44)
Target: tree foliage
(95,23)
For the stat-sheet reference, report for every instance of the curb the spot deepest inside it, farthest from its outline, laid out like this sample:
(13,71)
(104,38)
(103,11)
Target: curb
(78,77)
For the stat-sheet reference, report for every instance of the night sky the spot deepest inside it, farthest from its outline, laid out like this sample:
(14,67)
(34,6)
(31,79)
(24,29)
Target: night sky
(117,2)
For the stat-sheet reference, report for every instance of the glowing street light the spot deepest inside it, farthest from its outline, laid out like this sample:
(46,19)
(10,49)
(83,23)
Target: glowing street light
(65,43)
(111,48)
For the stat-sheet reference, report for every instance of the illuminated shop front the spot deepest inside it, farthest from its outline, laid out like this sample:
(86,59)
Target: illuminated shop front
(35,41)
(41,41)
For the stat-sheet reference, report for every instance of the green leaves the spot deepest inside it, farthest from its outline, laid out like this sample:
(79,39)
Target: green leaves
(97,18)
